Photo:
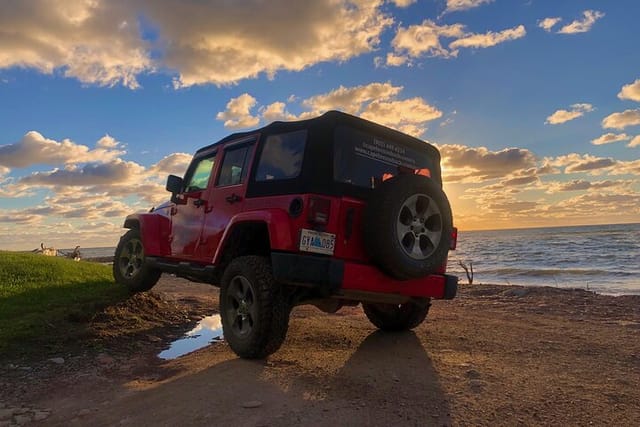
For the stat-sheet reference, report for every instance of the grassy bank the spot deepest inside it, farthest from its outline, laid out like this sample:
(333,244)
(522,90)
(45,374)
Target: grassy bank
(47,300)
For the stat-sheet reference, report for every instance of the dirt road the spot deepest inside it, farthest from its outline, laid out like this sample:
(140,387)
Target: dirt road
(493,356)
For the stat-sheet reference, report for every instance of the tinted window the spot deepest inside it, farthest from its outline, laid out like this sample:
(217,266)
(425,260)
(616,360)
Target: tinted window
(233,166)
(200,176)
(364,160)
(281,156)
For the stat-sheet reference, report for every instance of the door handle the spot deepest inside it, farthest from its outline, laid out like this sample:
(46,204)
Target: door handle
(233,198)
(198,202)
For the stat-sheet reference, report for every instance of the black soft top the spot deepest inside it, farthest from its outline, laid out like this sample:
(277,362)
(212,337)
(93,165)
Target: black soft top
(329,120)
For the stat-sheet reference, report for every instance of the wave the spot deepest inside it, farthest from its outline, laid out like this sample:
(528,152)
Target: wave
(550,272)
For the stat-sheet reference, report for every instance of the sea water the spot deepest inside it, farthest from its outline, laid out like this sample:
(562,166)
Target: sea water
(601,258)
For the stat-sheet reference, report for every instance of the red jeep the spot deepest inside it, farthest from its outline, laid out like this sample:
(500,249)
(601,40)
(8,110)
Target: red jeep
(330,211)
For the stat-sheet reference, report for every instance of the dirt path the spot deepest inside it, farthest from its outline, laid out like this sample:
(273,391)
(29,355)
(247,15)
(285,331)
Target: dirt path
(494,356)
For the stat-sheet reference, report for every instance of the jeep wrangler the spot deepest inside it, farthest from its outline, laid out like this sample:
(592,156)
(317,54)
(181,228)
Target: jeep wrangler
(332,211)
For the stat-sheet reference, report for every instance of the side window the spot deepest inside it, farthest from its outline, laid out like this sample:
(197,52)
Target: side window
(281,156)
(234,166)
(200,176)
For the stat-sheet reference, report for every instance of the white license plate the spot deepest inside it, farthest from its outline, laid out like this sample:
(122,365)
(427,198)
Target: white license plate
(315,241)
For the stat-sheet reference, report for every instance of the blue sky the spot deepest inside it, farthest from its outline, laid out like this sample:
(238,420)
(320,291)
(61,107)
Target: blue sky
(535,105)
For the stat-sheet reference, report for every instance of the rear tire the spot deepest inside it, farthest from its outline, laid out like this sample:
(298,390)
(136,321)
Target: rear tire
(255,314)
(129,266)
(397,317)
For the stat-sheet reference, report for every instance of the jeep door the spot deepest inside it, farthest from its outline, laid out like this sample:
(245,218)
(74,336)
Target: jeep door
(227,196)
(187,215)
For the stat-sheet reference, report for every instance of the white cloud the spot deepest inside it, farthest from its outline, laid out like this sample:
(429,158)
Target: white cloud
(574,163)
(609,138)
(489,39)
(34,148)
(175,163)
(350,99)
(635,142)
(403,3)
(563,116)
(631,91)
(407,115)
(238,112)
(622,120)
(477,164)
(589,17)
(116,171)
(276,111)
(547,24)
(458,5)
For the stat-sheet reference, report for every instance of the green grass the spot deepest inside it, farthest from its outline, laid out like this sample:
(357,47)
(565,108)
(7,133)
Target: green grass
(47,300)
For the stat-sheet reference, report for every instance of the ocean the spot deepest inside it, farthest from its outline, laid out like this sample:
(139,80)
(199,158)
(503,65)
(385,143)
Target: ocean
(600,258)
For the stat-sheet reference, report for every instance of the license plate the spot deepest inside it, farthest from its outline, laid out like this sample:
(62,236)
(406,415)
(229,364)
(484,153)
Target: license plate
(315,241)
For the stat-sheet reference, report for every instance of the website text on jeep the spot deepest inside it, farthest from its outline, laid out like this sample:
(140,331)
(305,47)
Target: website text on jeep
(331,211)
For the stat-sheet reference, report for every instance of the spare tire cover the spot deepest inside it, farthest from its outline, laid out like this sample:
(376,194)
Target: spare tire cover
(408,226)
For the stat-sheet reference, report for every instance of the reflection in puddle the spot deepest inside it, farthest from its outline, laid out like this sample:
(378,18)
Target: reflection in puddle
(207,331)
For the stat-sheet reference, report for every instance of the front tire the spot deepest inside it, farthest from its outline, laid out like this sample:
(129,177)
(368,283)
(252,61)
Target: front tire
(254,311)
(397,317)
(129,266)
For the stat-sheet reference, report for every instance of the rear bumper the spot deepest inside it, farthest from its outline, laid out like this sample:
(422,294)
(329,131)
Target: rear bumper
(332,275)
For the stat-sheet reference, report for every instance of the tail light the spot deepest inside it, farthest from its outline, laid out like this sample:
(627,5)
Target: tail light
(454,239)
(319,210)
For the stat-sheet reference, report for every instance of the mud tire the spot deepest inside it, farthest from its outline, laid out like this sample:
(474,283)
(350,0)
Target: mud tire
(129,266)
(397,317)
(397,207)
(254,311)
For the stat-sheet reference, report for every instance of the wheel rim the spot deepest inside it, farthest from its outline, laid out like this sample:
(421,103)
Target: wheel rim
(419,226)
(241,306)
(131,258)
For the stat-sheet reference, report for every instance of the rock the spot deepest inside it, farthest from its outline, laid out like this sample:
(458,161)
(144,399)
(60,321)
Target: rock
(22,419)
(252,404)
(41,415)
(57,360)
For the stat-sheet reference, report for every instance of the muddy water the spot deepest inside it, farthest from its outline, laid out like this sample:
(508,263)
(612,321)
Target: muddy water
(207,331)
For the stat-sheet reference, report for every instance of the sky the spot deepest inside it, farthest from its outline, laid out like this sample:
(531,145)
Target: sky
(533,104)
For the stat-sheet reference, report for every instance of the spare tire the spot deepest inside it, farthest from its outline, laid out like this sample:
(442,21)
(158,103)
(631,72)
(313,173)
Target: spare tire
(408,226)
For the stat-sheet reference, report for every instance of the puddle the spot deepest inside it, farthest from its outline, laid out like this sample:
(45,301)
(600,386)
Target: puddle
(207,331)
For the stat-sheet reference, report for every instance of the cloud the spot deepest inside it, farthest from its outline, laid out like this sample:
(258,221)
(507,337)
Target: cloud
(622,120)
(377,102)
(547,24)
(103,42)
(635,142)
(425,40)
(96,42)
(609,138)
(91,174)
(630,91)
(563,116)
(489,39)
(225,42)
(589,17)
(34,148)
(582,163)
(238,112)
(403,3)
(175,163)
(582,185)
(481,164)
(459,5)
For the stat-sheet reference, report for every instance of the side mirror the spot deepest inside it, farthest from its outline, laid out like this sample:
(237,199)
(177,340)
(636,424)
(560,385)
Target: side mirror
(174,184)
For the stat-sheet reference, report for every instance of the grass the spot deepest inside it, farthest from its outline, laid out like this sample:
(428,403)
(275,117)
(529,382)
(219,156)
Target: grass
(46,301)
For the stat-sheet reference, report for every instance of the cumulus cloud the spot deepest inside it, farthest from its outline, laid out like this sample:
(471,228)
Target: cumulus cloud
(583,185)
(622,120)
(635,142)
(582,163)
(630,91)
(589,17)
(489,39)
(34,148)
(403,3)
(563,116)
(90,174)
(609,138)
(175,163)
(482,164)
(426,39)
(238,112)
(378,102)
(547,24)
(459,5)
(96,42)
(102,42)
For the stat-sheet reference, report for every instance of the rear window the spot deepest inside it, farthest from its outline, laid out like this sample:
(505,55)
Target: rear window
(365,160)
